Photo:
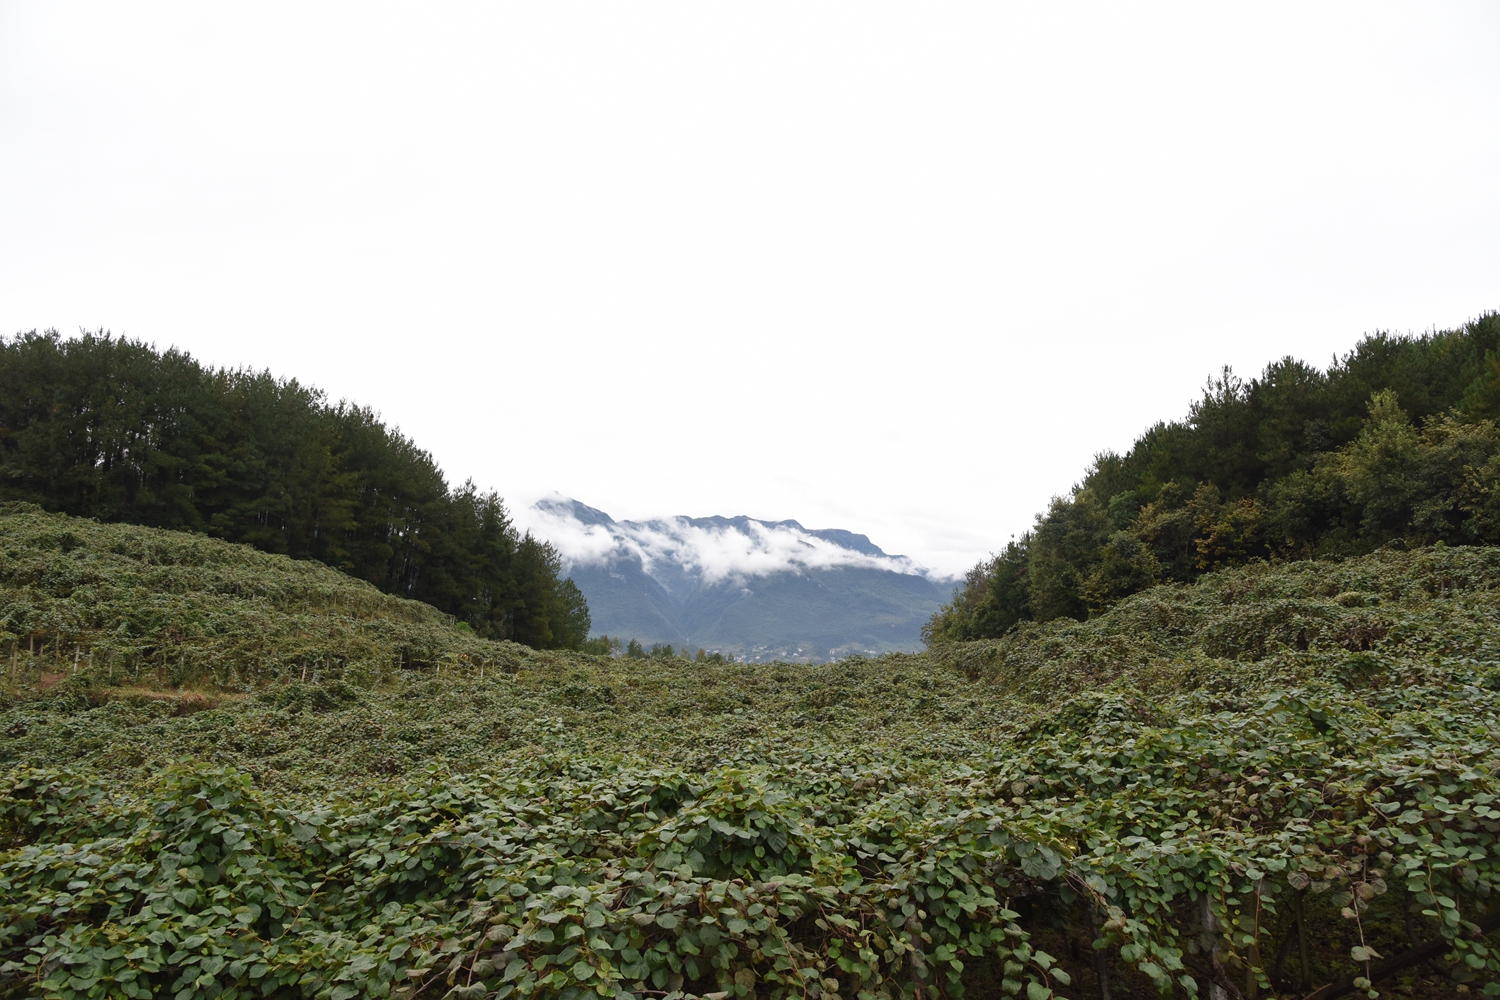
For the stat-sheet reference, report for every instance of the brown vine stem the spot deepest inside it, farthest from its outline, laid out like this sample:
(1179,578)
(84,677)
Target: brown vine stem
(286,928)
(1355,903)
(1252,984)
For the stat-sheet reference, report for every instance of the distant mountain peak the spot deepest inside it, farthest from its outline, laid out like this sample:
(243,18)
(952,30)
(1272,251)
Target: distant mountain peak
(741,584)
(562,506)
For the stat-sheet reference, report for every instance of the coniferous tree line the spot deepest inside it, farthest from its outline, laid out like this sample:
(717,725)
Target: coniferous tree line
(1396,443)
(113,429)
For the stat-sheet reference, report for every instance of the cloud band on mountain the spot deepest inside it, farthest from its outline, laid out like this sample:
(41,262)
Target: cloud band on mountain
(712,550)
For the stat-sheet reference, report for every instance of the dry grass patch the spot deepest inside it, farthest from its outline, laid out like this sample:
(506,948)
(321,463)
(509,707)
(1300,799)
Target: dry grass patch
(184,702)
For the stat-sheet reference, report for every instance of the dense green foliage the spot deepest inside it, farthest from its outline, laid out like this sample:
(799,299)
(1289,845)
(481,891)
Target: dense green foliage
(113,429)
(173,608)
(1395,442)
(1158,798)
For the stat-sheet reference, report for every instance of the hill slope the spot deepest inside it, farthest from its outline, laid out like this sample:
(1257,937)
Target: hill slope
(760,590)
(1308,747)
(176,608)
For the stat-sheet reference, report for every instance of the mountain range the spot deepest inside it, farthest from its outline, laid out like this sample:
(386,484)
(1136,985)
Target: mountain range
(756,590)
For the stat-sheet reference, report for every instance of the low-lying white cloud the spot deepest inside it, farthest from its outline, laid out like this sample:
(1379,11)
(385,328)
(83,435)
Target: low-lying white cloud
(670,547)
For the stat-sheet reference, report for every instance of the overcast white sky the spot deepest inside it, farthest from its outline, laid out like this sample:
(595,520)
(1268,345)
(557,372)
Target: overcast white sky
(901,269)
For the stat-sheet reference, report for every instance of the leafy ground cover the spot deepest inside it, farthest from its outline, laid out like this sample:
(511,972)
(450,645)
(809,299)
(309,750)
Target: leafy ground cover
(228,774)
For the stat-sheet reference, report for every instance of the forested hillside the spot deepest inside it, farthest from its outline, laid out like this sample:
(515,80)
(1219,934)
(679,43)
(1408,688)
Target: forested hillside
(230,774)
(1395,443)
(108,428)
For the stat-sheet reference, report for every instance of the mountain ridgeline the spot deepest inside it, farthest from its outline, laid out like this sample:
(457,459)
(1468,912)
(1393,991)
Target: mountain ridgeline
(754,590)
(113,429)
(1395,444)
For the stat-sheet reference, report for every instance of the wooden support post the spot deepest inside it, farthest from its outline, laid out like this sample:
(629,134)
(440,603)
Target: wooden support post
(1305,972)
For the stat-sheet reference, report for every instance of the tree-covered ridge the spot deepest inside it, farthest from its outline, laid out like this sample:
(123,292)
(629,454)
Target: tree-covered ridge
(1395,442)
(108,428)
(1273,779)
